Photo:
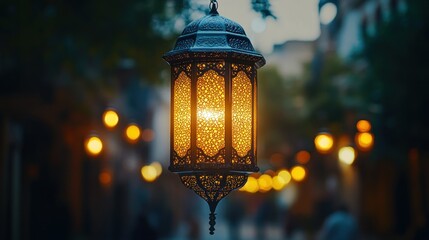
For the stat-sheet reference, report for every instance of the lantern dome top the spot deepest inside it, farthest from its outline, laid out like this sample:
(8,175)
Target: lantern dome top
(214,22)
(214,34)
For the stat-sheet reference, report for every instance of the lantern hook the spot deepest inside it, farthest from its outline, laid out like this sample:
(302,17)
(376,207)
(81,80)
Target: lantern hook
(213,7)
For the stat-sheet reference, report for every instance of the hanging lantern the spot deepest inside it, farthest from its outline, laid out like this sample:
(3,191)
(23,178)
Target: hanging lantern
(213,113)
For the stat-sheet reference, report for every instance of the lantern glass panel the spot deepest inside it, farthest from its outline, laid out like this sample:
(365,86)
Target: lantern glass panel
(255,114)
(242,114)
(211,115)
(182,114)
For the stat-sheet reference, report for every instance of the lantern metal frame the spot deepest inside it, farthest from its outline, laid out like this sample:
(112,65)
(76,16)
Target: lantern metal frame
(219,44)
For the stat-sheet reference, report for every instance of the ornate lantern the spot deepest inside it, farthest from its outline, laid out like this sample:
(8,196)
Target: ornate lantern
(214,105)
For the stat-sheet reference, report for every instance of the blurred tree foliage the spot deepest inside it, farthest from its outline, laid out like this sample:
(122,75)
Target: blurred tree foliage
(88,39)
(281,108)
(397,79)
(78,54)
(330,92)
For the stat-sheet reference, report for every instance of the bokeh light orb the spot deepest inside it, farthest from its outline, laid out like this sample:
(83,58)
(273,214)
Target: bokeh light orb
(328,12)
(105,178)
(302,157)
(324,142)
(148,135)
(265,183)
(158,168)
(364,141)
(285,175)
(363,126)
(278,183)
(347,155)
(298,173)
(149,173)
(251,185)
(94,146)
(110,118)
(132,132)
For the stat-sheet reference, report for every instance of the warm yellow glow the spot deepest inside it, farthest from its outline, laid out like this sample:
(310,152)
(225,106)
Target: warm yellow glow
(210,114)
(324,142)
(241,114)
(302,157)
(182,114)
(251,185)
(110,118)
(364,140)
(255,115)
(149,173)
(285,175)
(298,173)
(347,155)
(265,182)
(148,135)
(158,168)
(132,132)
(105,178)
(278,183)
(94,145)
(363,126)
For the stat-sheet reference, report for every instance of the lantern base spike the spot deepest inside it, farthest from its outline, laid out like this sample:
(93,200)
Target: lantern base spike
(212,222)
(212,216)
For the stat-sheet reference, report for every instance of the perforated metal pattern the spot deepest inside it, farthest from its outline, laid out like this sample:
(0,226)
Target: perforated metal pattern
(210,113)
(213,187)
(241,114)
(182,114)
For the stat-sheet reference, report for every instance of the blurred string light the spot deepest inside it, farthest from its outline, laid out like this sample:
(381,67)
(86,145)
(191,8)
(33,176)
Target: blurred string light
(328,12)
(278,183)
(302,157)
(364,141)
(147,135)
(324,142)
(265,183)
(347,155)
(132,132)
(298,173)
(251,185)
(285,175)
(158,168)
(151,172)
(94,145)
(363,126)
(110,118)
(105,178)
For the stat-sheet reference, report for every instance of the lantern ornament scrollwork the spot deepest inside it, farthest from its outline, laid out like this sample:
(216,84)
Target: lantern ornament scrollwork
(214,106)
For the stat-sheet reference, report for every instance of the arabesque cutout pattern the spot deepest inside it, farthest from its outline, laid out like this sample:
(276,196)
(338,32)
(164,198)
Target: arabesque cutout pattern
(210,113)
(241,114)
(182,114)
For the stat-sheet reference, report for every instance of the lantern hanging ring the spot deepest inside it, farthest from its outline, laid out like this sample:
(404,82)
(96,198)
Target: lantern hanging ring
(213,5)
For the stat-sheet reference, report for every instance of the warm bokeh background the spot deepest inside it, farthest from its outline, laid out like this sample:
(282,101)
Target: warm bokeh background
(355,70)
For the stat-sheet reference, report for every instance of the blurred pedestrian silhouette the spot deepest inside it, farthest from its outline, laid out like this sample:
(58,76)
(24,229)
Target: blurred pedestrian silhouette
(143,230)
(340,225)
